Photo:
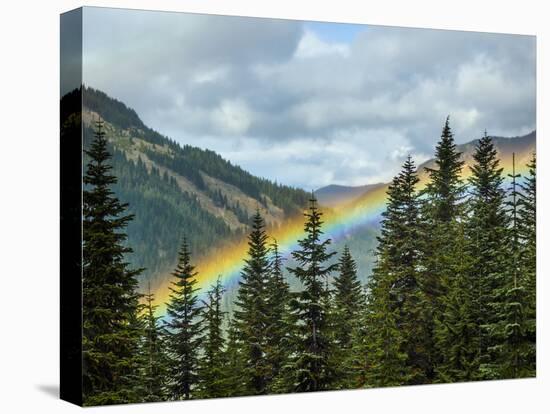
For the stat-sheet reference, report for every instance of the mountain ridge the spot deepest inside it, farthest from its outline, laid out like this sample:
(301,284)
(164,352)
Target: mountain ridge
(335,195)
(172,187)
(176,190)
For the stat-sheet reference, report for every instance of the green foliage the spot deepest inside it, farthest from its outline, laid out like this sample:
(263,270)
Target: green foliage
(401,331)
(487,231)
(382,349)
(312,366)
(213,374)
(236,359)
(451,296)
(527,238)
(445,189)
(183,328)
(442,206)
(117,113)
(157,201)
(251,313)
(159,206)
(513,344)
(278,325)
(110,299)
(457,330)
(154,361)
(349,304)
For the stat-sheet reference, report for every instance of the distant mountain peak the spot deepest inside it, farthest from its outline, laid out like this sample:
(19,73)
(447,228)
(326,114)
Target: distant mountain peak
(335,194)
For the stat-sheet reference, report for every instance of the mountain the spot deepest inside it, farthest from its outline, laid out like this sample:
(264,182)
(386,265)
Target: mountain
(522,146)
(176,191)
(369,204)
(334,195)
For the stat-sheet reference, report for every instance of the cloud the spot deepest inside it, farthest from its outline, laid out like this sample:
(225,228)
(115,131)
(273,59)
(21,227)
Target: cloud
(311,46)
(310,104)
(232,117)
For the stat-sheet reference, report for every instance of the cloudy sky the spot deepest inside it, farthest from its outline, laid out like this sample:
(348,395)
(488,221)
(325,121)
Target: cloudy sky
(309,104)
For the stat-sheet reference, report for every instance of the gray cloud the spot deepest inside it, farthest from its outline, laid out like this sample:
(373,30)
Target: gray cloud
(289,103)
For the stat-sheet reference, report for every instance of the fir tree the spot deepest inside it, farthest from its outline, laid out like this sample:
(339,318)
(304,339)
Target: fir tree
(442,206)
(312,358)
(384,362)
(349,302)
(235,370)
(183,328)
(213,364)
(445,188)
(110,299)
(251,313)
(396,302)
(487,235)
(510,347)
(154,360)
(278,297)
(412,317)
(527,234)
(456,332)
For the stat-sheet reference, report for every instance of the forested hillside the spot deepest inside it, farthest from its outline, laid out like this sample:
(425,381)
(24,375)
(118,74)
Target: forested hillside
(170,187)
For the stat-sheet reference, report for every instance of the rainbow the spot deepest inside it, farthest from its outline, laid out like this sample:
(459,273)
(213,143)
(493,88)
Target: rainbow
(227,261)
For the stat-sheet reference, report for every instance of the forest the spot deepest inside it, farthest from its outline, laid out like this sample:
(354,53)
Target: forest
(452,296)
(147,183)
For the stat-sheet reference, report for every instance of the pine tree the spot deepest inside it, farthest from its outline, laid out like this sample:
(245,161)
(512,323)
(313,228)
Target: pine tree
(445,188)
(527,234)
(486,231)
(442,206)
(278,297)
(213,364)
(110,299)
(361,347)
(510,347)
(154,359)
(312,358)
(250,316)
(400,329)
(456,332)
(183,328)
(349,303)
(237,383)
(384,362)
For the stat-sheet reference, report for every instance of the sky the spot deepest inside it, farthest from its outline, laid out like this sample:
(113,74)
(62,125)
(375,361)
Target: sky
(310,104)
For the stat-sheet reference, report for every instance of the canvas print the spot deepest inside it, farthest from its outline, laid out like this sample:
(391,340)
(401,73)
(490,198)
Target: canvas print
(257,206)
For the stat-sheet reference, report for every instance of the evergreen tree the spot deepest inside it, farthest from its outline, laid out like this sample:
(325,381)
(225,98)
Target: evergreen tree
(154,360)
(442,206)
(183,328)
(456,332)
(349,302)
(445,188)
(395,309)
(527,233)
(312,358)
(361,347)
(237,383)
(487,234)
(213,364)
(251,313)
(384,362)
(110,299)
(278,297)
(510,347)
